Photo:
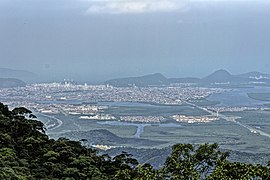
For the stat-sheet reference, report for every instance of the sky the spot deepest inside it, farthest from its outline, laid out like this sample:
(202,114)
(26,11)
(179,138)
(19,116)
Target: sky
(97,40)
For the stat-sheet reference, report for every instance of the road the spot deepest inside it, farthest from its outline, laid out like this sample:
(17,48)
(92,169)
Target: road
(52,123)
(231,119)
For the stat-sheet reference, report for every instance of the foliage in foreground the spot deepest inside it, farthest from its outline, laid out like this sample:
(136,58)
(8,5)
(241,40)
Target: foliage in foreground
(26,152)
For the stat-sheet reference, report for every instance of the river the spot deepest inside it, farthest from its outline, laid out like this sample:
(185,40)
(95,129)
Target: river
(239,97)
(140,126)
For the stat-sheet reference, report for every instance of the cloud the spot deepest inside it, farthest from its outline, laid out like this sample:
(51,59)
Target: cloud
(134,6)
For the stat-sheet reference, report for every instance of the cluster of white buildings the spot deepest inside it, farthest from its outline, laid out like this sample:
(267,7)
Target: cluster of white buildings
(194,119)
(143,119)
(55,97)
(96,93)
(98,117)
(238,109)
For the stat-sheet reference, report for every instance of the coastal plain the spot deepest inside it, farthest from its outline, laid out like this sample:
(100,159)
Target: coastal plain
(140,119)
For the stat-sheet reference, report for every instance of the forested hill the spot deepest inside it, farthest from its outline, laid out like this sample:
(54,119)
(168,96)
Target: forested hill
(26,152)
(156,79)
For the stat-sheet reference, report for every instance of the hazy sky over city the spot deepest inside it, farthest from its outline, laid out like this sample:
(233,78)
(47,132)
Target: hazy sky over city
(95,40)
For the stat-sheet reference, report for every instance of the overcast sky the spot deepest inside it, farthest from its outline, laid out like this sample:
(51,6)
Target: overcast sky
(95,40)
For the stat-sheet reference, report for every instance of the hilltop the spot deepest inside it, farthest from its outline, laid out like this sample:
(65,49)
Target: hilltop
(218,76)
(156,79)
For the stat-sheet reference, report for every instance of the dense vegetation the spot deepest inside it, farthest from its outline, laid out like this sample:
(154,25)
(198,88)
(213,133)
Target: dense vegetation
(26,152)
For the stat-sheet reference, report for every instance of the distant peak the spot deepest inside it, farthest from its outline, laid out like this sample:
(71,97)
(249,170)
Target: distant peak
(222,71)
(156,75)
(218,76)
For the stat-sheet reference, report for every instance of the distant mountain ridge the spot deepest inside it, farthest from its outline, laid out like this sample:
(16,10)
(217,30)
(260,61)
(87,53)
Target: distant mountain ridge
(218,77)
(156,79)
(184,80)
(11,83)
(19,74)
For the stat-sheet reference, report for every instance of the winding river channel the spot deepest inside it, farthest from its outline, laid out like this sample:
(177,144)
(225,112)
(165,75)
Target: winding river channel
(140,126)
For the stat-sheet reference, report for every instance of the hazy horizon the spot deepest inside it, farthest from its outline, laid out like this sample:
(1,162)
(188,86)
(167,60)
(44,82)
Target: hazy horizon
(96,40)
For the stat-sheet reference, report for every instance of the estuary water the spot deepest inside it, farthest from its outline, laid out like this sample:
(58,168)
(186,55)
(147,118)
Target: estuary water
(101,103)
(239,97)
(123,104)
